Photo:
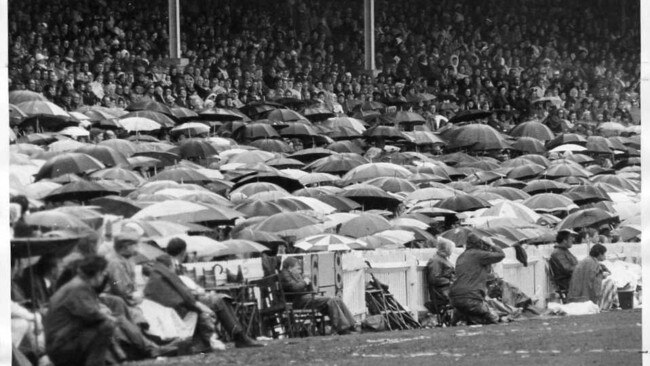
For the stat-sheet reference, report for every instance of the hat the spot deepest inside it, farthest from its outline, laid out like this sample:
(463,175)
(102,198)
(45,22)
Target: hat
(568,231)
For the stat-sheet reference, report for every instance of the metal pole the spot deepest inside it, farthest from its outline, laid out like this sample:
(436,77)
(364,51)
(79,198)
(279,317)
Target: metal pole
(369,34)
(174,29)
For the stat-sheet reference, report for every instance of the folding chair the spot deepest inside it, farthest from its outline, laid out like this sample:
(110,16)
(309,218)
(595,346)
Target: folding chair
(440,306)
(561,292)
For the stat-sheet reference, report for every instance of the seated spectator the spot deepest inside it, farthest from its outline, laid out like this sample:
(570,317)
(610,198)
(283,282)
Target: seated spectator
(38,281)
(166,288)
(562,261)
(77,330)
(590,281)
(296,288)
(473,268)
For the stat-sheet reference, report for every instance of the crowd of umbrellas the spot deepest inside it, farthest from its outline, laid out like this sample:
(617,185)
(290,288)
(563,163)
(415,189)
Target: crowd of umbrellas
(334,195)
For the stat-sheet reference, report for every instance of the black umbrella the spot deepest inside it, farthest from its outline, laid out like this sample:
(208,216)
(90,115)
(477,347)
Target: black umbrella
(219,114)
(68,163)
(196,148)
(283,181)
(162,157)
(38,246)
(81,190)
(149,105)
(253,109)
(116,205)
(107,155)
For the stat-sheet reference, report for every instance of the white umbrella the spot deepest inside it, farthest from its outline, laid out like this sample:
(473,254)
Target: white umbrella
(201,245)
(74,131)
(568,147)
(328,242)
(192,128)
(139,124)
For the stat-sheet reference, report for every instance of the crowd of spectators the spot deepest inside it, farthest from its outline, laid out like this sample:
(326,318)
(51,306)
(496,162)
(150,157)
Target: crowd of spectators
(488,55)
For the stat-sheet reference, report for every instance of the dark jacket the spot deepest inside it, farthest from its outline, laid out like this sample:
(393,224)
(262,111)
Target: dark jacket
(166,288)
(562,263)
(73,308)
(292,284)
(473,268)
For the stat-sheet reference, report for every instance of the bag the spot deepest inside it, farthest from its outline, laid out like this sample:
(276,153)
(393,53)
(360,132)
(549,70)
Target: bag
(375,323)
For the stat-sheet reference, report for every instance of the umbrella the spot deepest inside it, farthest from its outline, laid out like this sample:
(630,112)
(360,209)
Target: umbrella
(257,236)
(285,163)
(21,96)
(392,184)
(149,105)
(75,132)
(462,202)
(297,129)
(127,148)
(345,122)
(186,212)
(201,246)
(514,210)
(587,217)
(477,137)
(196,148)
(459,236)
(255,108)
(311,154)
(364,225)
(341,204)
(107,155)
(582,194)
(317,113)
(565,170)
(56,220)
(238,246)
(385,132)
(182,114)
(424,138)
(566,138)
(317,178)
(549,202)
(81,190)
(371,197)
(190,129)
(284,115)
(181,175)
(255,131)
(219,114)
(137,124)
(55,242)
(372,170)
(164,120)
(599,144)
(430,193)
(120,174)
(616,181)
(272,145)
(327,243)
(467,116)
(289,224)
(256,187)
(68,163)
(545,185)
(40,189)
(252,208)
(628,232)
(524,172)
(336,164)
(345,147)
(532,129)
(529,145)
(116,205)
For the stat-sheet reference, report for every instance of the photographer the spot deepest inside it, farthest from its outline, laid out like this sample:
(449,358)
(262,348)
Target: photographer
(473,267)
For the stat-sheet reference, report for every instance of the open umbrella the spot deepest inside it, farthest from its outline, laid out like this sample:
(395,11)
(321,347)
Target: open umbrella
(336,164)
(149,105)
(272,145)
(311,154)
(372,170)
(385,132)
(298,225)
(20,96)
(187,212)
(284,115)
(196,148)
(462,202)
(257,236)
(565,170)
(327,243)
(238,246)
(137,124)
(371,197)
(190,129)
(467,116)
(545,185)
(56,220)
(529,145)
(477,137)
(587,217)
(364,225)
(107,155)
(252,208)
(68,163)
(524,172)
(566,138)
(164,120)
(253,109)
(459,236)
(255,131)
(181,175)
(533,129)
(392,184)
(116,205)
(341,204)
(81,190)
(317,113)
(297,129)
(549,202)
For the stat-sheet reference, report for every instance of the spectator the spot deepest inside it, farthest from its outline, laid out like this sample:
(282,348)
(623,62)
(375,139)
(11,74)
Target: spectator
(591,282)
(562,261)
(468,292)
(440,272)
(77,331)
(295,288)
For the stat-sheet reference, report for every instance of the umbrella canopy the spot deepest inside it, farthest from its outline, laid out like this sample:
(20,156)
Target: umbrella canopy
(345,122)
(327,243)
(345,147)
(120,174)
(364,225)
(115,205)
(75,132)
(372,170)
(252,208)
(107,155)
(137,124)
(164,120)
(513,210)
(284,115)
(190,129)
(21,96)
(56,220)
(272,145)
(317,113)
(466,116)
(149,105)
(297,129)
(183,114)
(188,212)
(255,131)
(617,181)
(459,236)
(545,185)
(68,163)
(257,236)
(587,217)
(57,242)
(127,148)
(549,202)
(311,154)
(181,175)
(462,202)
(529,145)
(336,164)
(477,137)
(565,170)
(371,197)
(392,184)
(220,114)
(253,109)
(566,138)
(196,148)
(238,246)
(256,187)
(81,190)
(385,132)
(341,204)
(523,172)
(509,193)
(533,129)
(287,224)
